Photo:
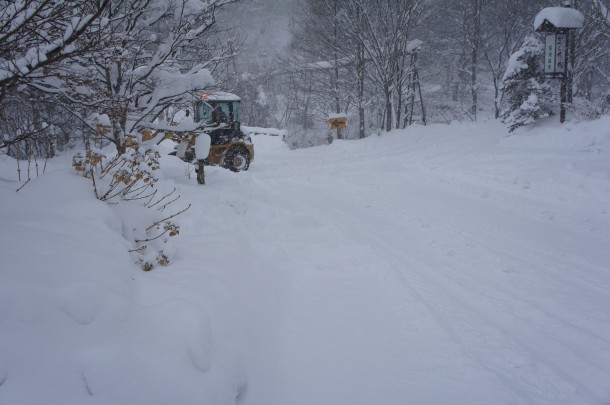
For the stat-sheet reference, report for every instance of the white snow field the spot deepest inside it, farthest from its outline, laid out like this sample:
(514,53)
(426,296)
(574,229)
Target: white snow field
(437,265)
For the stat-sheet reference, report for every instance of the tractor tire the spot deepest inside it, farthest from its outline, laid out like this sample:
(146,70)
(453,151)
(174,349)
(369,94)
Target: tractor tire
(237,159)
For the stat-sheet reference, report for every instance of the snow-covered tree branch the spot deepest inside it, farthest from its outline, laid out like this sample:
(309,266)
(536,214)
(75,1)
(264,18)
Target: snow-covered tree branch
(37,35)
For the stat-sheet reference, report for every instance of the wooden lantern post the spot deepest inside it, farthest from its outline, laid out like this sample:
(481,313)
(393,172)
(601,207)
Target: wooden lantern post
(559,24)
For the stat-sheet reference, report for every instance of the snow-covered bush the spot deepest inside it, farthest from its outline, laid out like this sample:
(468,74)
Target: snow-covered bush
(592,109)
(527,94)
(296,137)
(131,183)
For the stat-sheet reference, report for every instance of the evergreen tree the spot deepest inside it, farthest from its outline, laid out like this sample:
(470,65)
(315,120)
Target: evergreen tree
(527,94)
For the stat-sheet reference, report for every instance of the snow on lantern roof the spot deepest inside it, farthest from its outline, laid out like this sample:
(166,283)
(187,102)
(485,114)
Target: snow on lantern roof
(219,96)
(555,18)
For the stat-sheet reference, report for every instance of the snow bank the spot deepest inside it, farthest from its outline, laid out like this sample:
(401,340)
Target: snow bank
(587,136)
(433,265)
(74,327)
(263,131)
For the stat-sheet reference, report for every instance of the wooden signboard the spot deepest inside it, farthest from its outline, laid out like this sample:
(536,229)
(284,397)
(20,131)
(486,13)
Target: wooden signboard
(337,122)
(555,55)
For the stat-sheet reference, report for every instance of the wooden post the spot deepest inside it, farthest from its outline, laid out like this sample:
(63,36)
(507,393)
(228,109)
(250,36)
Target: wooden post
(566,82)
(570,65)
(563,96)
(200,172)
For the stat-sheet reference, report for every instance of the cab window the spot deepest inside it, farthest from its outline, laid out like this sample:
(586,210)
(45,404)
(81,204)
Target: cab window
(203,113)
(221,113)
(236,112)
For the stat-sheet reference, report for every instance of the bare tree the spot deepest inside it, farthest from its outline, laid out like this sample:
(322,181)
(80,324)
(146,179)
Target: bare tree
(505,25)
(320,45)
(37,37)
(474,39)
(591,58)
(146,66)
(383,29)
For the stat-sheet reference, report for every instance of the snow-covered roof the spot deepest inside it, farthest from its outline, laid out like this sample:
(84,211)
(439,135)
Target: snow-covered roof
(560,17)
(219,96)
(325,64)
(414,45)
(333,116)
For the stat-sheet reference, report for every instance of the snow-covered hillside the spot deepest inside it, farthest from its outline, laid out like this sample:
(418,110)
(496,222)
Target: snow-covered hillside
(438,265)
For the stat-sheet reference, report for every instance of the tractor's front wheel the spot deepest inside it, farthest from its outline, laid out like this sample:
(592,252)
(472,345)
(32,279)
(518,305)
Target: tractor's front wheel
(237,159)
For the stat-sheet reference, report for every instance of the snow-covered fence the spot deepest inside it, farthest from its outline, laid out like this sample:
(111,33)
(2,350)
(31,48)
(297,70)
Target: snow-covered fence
(263,131)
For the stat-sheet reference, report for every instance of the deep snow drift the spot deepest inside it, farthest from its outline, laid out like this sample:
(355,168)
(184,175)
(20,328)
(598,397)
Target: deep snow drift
(447,264)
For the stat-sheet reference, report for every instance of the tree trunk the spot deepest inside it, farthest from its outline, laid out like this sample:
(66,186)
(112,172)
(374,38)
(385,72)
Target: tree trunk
(424,119)
(476,38)
(410,107)
(360,74)
(563,96)
(336,78)
(399,100)
(117,137)
(388,107)
(571,61)
(496,98)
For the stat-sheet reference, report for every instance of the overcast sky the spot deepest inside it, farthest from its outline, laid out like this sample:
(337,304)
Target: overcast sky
(264,22)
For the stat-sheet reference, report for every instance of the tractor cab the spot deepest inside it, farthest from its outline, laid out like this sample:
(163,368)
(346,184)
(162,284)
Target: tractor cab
(219,111)
(218,115)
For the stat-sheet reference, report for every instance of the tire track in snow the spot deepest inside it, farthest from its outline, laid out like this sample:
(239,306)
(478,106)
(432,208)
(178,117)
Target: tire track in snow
(415,292)
(489,238)
(544,388)
(302,207)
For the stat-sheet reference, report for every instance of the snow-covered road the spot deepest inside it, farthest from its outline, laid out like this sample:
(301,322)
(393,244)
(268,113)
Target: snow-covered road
(445,265)
(449,264)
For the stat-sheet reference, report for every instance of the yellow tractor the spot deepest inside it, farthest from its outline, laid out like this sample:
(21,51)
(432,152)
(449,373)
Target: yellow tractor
(230,147)
(217,114)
